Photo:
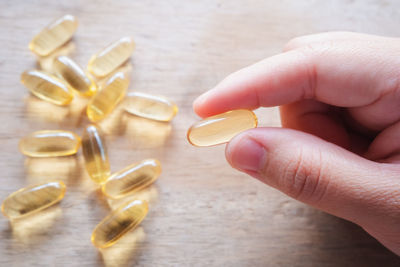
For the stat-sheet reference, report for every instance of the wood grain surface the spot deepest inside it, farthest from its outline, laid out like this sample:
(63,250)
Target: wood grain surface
(202,212)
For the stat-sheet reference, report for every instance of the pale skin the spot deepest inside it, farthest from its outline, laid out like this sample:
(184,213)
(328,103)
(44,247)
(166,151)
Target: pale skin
(339,148)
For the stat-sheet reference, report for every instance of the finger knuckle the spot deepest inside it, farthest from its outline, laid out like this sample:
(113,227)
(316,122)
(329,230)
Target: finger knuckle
(303,177)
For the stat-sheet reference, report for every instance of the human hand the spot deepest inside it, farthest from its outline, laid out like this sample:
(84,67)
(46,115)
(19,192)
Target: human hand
(340,98)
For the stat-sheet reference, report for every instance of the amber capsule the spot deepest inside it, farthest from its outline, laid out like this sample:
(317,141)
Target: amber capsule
(221,128)
(95,154)
(47,87)
(50,143)
(111,57)
(32,199)
(73,74)
(119,222)
(132,178)
(54,35)
(150,106)
(107,97)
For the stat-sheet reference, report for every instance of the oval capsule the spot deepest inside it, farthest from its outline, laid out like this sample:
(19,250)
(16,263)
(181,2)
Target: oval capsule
(107,97)
(54,35)
(47,87)
(95,154)
(73,74)
(127,217)
(50,143)
(150,106)
(132,178)
(30,200)
(111,57)
(221,128)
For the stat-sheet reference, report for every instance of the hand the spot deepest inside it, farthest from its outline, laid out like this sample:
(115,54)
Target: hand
(339,98)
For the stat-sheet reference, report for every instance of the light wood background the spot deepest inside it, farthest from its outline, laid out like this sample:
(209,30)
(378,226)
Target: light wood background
(202,212)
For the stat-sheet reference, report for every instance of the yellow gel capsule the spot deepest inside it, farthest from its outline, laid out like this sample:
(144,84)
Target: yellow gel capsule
(107,97)
(50,143)
(54,35)
(150,106)
(221,128)
(47,87)
(111,57)
(95,154)
(73,74)
(132,178)
(32,199)
(119,222)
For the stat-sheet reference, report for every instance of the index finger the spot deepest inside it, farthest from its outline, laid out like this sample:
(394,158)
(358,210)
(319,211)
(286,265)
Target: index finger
(346,75)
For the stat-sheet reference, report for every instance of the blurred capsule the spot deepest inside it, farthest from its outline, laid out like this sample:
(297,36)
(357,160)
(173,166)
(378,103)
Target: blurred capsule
(150,106)
(50,143)
(73,74)
(111,57)
(119,222)
(32,199)
(107,97)
(54,35)
(47,87)
(132,178)
(95,154)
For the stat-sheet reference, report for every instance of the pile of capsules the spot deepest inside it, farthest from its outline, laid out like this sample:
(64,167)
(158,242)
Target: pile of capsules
(62,80)
(59,85)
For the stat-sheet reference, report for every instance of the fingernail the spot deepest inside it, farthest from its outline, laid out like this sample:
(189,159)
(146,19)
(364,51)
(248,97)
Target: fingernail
(247,155)
(200,99)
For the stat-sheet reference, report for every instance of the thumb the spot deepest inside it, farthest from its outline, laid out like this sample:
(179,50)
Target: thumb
(318,173)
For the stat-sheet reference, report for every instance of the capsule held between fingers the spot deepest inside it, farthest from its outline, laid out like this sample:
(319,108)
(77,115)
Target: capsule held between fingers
(221,128)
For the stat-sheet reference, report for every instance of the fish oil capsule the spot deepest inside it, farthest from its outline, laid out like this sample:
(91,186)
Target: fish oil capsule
(54,35)
(47,87)
(50,143)
(107,97)
(95,154)
(150,106)
(46,63)
(32,199)
(73,74)
(221,128)
(132,178)
(119,222)
(111,57)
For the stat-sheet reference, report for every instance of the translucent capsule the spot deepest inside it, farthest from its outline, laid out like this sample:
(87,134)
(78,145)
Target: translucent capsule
(73,74)
(32,199)
(221,128)
(54,35)
(119,222)
(47,87)
(150,106)
(111,57)
(46,63)
(132,178)
(50,143)
(95,154)
(107,97)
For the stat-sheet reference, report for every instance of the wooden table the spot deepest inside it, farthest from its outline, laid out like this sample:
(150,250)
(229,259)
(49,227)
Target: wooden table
(202,212)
